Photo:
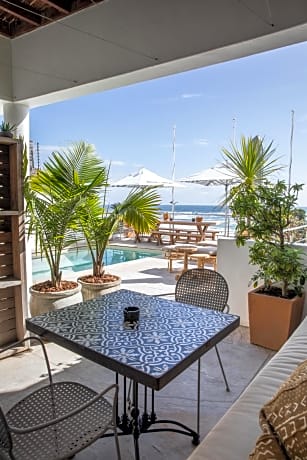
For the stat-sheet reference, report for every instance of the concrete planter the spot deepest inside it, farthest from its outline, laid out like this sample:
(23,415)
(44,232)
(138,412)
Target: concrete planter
(273,319)
(42,302)
(93,290)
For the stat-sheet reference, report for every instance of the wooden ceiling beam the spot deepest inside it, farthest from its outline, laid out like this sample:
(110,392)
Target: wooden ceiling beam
(19,12)
(21,16)
(62,7)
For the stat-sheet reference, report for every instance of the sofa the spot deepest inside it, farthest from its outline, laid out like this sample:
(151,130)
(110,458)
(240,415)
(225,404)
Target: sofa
(234,436)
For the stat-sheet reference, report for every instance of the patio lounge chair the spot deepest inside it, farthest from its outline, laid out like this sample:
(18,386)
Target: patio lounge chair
(57,420)
(204,288)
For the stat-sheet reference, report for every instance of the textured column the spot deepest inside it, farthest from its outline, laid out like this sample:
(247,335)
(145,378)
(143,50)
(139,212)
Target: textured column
(18,114)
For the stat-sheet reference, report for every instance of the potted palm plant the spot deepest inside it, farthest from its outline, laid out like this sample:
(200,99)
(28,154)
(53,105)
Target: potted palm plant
(140,210)
(53,196)
(275,308)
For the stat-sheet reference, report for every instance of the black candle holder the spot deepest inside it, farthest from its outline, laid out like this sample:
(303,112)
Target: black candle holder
(131,314)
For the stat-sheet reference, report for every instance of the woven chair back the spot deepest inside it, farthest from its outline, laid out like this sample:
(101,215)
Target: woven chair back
(202,287)
(5,436)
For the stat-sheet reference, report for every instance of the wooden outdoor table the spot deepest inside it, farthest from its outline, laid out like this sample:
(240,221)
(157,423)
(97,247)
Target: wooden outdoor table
(177,230)
(186,249)
(171,253)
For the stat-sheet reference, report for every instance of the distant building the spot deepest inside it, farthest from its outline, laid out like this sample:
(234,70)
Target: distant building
(34,157)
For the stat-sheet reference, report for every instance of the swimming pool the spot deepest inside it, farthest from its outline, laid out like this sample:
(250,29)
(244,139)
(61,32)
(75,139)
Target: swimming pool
(79,260)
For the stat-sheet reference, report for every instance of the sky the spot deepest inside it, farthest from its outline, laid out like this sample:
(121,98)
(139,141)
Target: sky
(133,126)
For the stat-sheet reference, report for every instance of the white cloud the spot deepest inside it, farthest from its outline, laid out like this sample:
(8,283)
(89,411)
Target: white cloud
(190,95)
(201,141)
(49,148)
(179,97)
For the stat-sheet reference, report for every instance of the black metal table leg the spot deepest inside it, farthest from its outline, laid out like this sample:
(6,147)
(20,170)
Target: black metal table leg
(135,420)
(124,422)
(145,422)
(198,398)
(182,429)
(132,423)
(153,416)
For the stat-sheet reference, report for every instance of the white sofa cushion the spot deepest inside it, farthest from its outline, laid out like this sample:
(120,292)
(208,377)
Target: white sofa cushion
(235,435)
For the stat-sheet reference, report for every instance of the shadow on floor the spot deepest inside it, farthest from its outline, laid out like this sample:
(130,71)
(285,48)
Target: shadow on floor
(177,400)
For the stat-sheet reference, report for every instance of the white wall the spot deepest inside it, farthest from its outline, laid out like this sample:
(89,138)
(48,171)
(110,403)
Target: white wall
(5,70)
(233,264)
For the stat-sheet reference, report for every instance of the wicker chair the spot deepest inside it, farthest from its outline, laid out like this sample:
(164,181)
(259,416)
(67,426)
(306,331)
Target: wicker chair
(57,420)
(204,288)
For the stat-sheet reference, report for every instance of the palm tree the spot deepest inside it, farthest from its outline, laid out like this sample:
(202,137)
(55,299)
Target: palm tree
(251,164)
(53,196)
(140,209)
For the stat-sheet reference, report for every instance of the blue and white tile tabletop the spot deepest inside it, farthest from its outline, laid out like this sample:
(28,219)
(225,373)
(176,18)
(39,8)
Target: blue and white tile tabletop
(169,337)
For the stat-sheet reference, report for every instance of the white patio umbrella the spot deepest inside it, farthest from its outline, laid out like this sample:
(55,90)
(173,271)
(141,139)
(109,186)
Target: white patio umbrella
(145,178)
(217,175)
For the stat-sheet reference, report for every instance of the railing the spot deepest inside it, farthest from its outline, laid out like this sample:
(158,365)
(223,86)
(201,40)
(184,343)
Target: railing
(297,234)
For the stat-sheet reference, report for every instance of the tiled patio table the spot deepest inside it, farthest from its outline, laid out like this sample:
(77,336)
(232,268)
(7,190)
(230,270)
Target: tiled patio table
(168,338)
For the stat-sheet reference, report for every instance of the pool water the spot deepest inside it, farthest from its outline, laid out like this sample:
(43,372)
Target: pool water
(79,260)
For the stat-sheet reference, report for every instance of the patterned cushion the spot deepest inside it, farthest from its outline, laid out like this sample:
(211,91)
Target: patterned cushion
(284,421)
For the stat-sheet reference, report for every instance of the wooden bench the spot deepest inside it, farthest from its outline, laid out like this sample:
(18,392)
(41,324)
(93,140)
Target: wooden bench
(176,236)
(204,259)
(188,236)
(157,235)
(211,233)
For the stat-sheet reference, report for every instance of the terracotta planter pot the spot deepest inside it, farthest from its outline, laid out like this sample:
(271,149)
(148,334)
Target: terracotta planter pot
(93,290)
(42,302)
(273,319)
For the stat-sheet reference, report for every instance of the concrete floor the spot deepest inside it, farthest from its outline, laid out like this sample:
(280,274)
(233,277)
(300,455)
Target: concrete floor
(176,401)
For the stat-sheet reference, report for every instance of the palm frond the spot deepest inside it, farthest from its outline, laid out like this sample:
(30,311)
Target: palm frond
(253,161)
(140,209)
(54,195)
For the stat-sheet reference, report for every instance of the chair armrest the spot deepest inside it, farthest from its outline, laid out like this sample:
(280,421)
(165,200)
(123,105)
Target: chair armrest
(164,294)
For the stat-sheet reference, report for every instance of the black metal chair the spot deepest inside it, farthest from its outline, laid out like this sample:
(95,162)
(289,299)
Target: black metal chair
(57,420)
(204,288)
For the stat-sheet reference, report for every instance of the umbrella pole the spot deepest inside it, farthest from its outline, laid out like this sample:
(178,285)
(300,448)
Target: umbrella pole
(226,228)
(173,171)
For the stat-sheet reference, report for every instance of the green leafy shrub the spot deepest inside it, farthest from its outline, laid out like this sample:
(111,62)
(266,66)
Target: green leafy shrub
(270,208)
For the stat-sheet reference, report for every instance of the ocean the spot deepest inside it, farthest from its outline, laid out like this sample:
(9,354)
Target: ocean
(214,213)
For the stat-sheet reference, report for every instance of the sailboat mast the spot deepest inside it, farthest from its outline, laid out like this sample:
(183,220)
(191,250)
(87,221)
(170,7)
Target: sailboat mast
(173,170)
(291,149)
(234,126)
